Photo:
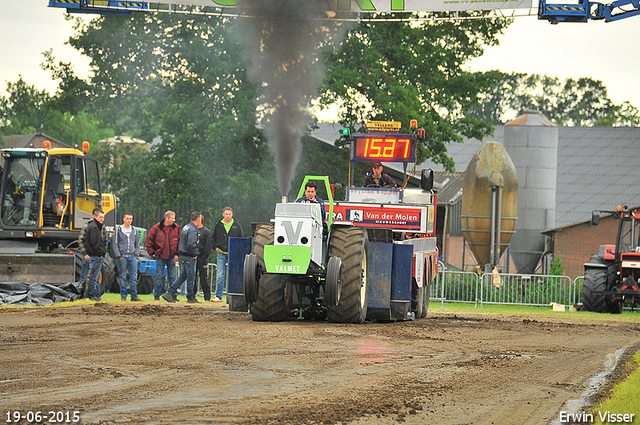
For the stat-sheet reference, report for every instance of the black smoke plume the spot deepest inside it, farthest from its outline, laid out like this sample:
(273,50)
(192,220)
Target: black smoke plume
(284,39)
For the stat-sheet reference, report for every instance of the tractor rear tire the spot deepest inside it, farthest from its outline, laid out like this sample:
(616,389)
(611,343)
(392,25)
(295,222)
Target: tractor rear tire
(351,245)
(108,274)
(271,304)
(593,297)
(262,236)
(79,259)
(271,300)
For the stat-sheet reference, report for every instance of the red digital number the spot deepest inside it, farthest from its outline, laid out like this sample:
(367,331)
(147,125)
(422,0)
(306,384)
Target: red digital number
(383,148)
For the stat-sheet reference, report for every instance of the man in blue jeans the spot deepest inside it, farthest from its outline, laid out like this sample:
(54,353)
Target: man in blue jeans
(188,254)
(162,244)
(95,243)
(126,248)
(224,229)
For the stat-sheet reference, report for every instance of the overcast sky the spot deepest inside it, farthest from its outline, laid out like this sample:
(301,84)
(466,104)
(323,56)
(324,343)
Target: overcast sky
(603,51)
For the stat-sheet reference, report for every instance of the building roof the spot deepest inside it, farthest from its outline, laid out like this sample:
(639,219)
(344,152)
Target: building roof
(35,140)
(598,168)
(451,183)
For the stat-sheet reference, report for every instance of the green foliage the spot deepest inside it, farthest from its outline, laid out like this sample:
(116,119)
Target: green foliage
(557,267)
(572,102)
(25,109)
(413,70)
(320,159)
(625,397)
(187,90)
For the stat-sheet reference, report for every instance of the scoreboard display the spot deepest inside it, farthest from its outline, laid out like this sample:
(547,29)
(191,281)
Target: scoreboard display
(384,147)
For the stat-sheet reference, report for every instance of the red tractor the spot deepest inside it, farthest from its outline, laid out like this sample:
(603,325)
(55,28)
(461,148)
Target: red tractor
(611,276)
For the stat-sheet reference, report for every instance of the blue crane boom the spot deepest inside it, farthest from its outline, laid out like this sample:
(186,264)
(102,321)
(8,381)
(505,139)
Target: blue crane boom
(585,10)
(103,7)
(582,11)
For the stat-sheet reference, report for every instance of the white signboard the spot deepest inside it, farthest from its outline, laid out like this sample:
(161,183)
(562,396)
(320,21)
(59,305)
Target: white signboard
(377,6)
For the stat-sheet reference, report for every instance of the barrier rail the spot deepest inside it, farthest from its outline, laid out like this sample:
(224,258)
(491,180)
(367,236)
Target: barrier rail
(212,272)
(504,288)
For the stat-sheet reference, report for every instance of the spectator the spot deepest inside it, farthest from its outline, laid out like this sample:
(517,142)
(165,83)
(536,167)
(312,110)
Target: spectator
(95,243)
(223,230)
(126,247)
(162,244)
(202,268)
(188,250)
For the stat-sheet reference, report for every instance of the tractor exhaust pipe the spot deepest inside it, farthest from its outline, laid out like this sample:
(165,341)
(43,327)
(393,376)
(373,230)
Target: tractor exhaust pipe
(284,199)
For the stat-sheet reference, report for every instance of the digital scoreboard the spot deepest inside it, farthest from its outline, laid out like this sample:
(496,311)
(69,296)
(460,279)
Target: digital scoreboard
(383,147)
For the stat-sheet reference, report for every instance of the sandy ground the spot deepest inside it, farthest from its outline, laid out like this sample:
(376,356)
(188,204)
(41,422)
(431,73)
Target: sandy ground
(156,363)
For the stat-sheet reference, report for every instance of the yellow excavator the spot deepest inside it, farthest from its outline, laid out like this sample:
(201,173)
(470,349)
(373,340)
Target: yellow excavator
(47,196)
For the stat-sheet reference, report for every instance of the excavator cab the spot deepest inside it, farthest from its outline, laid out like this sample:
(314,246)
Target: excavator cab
(55,188)
(47,195)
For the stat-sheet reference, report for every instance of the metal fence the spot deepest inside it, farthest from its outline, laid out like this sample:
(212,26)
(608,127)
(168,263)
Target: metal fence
(504,288)
(212,275)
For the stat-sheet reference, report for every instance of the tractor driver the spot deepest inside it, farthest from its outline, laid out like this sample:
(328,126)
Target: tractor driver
(378,178)
(310,189)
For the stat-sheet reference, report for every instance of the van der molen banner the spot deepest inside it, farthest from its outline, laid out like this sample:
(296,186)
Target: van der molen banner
(380,6)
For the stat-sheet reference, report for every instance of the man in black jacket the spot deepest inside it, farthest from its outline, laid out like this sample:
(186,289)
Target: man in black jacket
(224,229)
(95,243)
(188,248)
(204,250)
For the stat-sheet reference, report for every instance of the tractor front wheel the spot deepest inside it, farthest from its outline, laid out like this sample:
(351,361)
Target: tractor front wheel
(250,276)
(351,246)
(333,282)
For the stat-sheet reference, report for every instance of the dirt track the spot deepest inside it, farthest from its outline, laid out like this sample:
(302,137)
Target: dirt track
(159,363)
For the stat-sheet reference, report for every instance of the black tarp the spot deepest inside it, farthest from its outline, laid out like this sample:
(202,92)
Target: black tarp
(18,293)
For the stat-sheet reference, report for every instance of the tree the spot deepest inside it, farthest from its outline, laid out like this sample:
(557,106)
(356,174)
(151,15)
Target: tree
(28,110)
(413,70)
(24,110)
(572,102)
(180,80)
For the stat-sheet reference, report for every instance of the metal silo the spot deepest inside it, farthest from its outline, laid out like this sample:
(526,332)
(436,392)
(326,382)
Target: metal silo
(532,143)
(489,203)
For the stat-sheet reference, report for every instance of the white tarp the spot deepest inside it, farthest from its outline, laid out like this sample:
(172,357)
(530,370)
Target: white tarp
(373,6)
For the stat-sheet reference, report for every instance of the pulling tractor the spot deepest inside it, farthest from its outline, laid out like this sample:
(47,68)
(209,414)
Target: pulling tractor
(47,196)
(611,276)
(375,260)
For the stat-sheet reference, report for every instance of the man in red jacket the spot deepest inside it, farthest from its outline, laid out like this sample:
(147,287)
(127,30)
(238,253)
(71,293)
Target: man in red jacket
(162,244)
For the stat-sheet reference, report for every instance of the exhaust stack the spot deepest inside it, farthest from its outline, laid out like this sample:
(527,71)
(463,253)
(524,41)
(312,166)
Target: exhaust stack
(284,199)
